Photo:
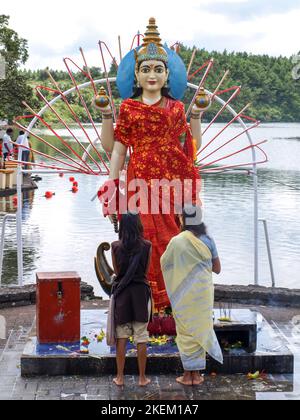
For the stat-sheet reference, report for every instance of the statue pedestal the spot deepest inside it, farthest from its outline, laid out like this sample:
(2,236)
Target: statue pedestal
(242,329)
(272,354)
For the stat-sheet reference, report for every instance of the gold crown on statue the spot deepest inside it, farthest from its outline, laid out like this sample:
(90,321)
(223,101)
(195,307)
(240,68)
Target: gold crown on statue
(152,48)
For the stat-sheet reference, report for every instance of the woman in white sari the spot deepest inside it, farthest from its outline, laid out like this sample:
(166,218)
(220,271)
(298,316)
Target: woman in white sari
(187,266)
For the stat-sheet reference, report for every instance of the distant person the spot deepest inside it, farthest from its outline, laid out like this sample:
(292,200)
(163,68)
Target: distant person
(22,140)
(1,152)
(131,259)
(187,266)
(7,143)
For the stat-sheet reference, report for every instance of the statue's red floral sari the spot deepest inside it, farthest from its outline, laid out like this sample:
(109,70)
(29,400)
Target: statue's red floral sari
(154,133)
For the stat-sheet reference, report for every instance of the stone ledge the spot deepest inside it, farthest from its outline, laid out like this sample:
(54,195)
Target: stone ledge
(28,185)
(156,365)
(248,295)
(258,295)
(11,297)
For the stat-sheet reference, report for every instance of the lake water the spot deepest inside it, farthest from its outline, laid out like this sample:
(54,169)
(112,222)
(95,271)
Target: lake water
(63,234)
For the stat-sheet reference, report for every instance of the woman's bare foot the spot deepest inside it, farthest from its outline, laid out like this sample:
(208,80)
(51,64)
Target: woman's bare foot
(119,381)
(197,379)
(186,379)
(144,381)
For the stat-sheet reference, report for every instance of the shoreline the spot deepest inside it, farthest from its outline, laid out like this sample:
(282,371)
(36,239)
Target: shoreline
(28,185)
(12,296)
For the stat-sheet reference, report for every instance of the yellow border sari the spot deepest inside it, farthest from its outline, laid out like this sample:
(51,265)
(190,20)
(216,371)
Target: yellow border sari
(187,271)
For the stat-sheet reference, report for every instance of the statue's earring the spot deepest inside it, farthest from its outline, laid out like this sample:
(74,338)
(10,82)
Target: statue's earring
(167,84)
(138,84)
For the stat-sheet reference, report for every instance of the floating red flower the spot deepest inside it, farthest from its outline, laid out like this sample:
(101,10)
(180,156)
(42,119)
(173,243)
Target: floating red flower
(49,195)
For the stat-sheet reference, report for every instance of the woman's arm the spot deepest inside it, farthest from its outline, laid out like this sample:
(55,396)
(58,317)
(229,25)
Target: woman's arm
(217,266)
(107,134)
(196,126)
(108,191)
(117,160)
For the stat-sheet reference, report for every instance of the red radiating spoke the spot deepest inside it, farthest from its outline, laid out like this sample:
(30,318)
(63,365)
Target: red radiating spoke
(252,146)
(209,64)
(49,157)
(44,141)
(246,117)
(200,69)
(88,71)
(231,140)
(64,98)
(176,47)
(43,165)
(238,166)
(223,129)
(107,78)
(67,127)
(224,107)
(138,36)
(109,52)
(83,102)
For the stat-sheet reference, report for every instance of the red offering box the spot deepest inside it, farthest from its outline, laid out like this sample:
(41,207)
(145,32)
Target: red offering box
(58,308)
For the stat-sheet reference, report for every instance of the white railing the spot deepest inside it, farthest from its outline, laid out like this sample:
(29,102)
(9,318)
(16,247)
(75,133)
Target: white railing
(6,218)
(265,223)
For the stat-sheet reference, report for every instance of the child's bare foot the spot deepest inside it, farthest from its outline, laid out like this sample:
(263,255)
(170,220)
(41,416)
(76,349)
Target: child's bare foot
(144,381)
(197,378)
(186,379)
(119,381)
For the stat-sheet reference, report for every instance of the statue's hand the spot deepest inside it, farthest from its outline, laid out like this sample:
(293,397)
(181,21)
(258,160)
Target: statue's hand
(106,110)
(197,110)
(109,196)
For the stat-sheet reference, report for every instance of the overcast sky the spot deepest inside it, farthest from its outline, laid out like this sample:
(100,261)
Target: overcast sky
(57,28)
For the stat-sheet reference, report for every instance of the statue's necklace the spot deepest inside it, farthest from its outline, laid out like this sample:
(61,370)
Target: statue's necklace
(158,102)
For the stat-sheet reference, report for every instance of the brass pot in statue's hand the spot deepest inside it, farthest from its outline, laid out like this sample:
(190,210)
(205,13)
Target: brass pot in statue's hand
(203,101)
(102,100)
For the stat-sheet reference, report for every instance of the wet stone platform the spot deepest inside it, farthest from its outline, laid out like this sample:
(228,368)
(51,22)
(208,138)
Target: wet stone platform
(249,344)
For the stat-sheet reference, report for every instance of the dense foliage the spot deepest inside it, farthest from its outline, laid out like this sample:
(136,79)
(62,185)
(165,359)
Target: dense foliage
(14,88)
(267,82)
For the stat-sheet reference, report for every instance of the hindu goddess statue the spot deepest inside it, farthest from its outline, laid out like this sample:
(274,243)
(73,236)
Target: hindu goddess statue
(152,124)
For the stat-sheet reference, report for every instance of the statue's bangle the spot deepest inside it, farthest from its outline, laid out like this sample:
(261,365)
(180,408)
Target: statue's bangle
(196,116)
(107,116)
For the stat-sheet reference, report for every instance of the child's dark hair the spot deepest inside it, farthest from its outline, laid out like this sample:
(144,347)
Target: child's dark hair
(131,232)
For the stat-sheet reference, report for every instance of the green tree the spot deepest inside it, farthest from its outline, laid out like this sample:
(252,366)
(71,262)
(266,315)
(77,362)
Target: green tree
(14,88)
